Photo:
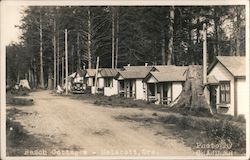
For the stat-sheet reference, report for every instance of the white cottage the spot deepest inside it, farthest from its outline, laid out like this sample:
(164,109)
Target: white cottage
(78,76)
(106,83)
(165,83)
(228,92)
(130,83)
(90,77)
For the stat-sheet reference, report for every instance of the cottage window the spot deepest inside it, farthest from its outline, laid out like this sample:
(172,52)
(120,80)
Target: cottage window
(225,92)
(108,82)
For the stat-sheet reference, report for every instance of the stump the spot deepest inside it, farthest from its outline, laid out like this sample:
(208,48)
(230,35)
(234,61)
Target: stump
(192,97)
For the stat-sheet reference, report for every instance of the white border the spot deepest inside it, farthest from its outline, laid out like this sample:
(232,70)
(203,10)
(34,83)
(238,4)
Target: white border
(114,3)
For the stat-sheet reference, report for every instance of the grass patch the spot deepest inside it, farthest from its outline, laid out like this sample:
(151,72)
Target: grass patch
(117,101)
(19,101)
(215,131)
(18,140)
(19,92)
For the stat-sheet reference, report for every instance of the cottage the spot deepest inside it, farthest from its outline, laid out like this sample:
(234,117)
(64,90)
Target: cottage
(78,76)
(130,83)
(110,84)
(90,77)
(165,83)
(228,92)
(105,82)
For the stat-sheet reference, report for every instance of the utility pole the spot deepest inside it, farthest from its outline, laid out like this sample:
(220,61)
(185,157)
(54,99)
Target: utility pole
(205,62)
(66,59)
(204,53)
(96,73)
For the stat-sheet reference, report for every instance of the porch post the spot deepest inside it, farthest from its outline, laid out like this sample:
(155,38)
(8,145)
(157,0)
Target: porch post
(155,90)
(125,88)
(161,94)
(128,95)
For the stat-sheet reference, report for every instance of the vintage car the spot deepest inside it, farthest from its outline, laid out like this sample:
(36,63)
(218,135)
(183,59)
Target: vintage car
(78,87)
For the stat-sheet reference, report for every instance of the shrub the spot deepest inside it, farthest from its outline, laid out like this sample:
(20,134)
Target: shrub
(154,114)
(215,130)
(225,130)
(97,102)
(19,101)
(240,118)
(134,105)
(171,119)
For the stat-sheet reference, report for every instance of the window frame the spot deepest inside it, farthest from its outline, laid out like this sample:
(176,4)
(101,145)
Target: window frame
(109,81)
(225,92)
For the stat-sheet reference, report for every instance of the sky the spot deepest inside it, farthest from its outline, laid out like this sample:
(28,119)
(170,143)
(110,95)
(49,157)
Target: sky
(12,18)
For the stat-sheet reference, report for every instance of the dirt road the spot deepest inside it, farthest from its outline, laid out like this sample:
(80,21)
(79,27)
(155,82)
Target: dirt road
(77,127)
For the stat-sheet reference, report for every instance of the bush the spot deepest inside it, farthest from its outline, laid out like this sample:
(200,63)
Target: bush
(171,119)
(215,130)
(19,92)
(154,114)
(97,102)
(19,101)
(225,130)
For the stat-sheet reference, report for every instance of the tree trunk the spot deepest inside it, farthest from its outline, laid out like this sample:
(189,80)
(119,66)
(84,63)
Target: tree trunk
(62,71)
(35,76)
(89,40)
(237,32)
(216,31)
(192,96)
(54,47)
(117,39)
(190,50)
(58,58)
(41,52)
(163,47)
(171,36)
(78,52)
(72,59)
(113,38)
(50,83)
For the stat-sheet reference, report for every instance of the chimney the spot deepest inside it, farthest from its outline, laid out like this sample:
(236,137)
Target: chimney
(128,65)
(146,64)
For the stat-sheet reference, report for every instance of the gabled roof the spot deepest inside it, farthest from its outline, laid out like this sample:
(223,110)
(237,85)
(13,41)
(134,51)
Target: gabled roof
(163,68)
(138,68)
(168,74)
(91,72)
(108,72)
(81,73)
(132,74)
(236,65)
(212,80)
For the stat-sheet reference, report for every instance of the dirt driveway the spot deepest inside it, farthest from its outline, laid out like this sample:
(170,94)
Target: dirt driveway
(77,127)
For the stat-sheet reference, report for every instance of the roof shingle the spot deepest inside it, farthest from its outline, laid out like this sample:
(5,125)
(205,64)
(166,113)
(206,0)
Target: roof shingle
(168,73)
(91,72)
(108,72)
(235,64)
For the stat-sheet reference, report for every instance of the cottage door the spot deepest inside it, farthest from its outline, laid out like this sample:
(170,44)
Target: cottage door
(213,98)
